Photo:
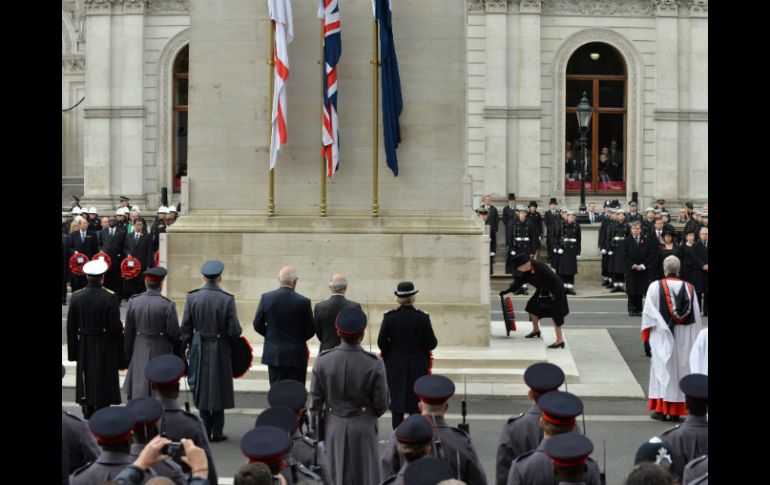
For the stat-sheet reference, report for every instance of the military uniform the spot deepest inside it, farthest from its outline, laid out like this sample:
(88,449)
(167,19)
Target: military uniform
(695,470)
(406,339)
(152,329)
(550,217)
(554,237)
(536,221)
(523,433)
(688,440)
(569,251)
(349,391)
(109,425)
(509,215)
(271,445)
(285,419)
(210,321)
(167,468)
(77,442)
(397,479)
(617,263)
(95,341)
(568,451)
(522,241)
(606,222)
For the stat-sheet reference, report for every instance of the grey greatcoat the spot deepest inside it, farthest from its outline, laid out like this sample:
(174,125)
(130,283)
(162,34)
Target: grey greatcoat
(178,423)
(458,451)
(687,441)
(152,329)
(106,467)
(77,442)
(210,321)
(350,390)
(536,468)
(167,468)
(696,469)
(95,341)
(520,434)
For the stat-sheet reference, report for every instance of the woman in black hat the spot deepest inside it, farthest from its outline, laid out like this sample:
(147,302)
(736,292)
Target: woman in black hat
(406,339)
(549,301)
(668,248)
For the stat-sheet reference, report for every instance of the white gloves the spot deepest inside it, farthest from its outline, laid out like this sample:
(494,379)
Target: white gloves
(561,251)
(555,250)
(578,256)
(610,253)
(491,253)
(513,253)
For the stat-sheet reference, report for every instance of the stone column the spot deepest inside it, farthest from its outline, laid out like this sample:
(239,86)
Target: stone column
(496,99)
(667,100)
(526,111)
(114,109)
(698,97)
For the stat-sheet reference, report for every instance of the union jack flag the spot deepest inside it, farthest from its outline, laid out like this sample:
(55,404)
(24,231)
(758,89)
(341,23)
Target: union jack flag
(329,11)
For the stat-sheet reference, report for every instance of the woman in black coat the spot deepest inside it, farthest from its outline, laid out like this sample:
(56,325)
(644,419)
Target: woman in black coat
(549,301)
(668,248)
(406,339)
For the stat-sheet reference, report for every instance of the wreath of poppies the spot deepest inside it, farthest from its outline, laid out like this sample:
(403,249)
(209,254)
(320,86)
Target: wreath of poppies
(103,256)
(77,261)
(130,268)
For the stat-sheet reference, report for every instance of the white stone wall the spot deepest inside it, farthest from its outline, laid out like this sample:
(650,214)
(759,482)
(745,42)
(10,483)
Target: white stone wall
(73,89)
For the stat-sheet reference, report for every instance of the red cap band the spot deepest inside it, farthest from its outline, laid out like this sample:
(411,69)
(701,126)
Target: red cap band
(110,440)
(557,419)
(575,462)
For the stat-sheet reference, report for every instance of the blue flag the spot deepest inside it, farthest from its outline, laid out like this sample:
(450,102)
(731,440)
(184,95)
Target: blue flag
(392,103)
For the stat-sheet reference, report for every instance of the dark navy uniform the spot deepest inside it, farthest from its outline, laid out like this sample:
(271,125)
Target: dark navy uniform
(349,391)
(165,371)
(210,321)
(522,241)
(550,218)
(406,339)
(690,439)
(569,247)
(113,425)
(617,263)
(606,222)
(509,215)
(523,433)
(95,341)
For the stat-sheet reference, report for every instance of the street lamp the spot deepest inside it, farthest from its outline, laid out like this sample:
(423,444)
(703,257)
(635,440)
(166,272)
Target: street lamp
(584,112)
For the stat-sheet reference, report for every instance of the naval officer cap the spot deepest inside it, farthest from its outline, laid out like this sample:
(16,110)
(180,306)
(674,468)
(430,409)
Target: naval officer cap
(571,212)
(75,198)
(265,444)
(350,321)
(124,198)
(560,407)
(661,201)
(414,429)
(543,377)
(147,410)
(434,388)
(280,417)
(95,268)
(212,268)
(157,273)
(405,288)
(568,449)
(649,209)
(76,210)
(427,471)
(288,393)
(164,370)
(93,210)
(695,386)
(521,208)
(112,424)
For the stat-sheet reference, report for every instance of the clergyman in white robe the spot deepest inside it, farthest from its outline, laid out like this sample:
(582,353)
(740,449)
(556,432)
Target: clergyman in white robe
(670,351)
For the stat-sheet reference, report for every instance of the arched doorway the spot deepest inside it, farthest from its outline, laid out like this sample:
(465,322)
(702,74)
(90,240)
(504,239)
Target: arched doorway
(179,118)
(598,70)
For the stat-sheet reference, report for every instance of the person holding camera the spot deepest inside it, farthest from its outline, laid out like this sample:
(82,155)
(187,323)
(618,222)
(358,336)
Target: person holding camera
(549,301)
(154,453)
(148,411)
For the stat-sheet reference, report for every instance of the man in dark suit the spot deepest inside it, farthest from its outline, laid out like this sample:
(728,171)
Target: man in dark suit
(638,253)
(551,218)
(509,216)
(111,240)
(82,241)
(701,280)
(325,313)
(139,245)
(285,319)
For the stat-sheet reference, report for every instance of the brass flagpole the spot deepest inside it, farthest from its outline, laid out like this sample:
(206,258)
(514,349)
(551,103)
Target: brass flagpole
(323,160)
(271,62)
(375,62)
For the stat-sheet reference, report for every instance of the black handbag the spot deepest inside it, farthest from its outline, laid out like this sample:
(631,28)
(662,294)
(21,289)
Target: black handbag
(546,300)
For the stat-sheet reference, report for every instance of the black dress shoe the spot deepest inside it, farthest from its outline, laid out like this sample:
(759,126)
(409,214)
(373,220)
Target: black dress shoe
(631,314)
(556,346)
(525,292)
(533,334)
(658,416)
(570,291)
(638,314)
(616,290)
(217,439)
(674,419)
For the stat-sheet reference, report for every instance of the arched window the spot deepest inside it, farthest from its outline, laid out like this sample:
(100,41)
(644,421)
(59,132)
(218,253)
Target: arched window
(179,133)
(598,70)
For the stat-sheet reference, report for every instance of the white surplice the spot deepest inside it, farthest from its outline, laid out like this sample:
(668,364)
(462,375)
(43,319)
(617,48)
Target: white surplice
(670,352)
(699,356)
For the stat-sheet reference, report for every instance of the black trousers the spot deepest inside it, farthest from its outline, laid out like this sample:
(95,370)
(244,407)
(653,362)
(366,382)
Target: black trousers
(396,419)
(618,277)
(705,306)
(64,287)
(276,373)
(567,278)
(635,303)
(213,421)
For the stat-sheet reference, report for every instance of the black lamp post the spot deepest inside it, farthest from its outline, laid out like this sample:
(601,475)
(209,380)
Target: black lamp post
(584,112)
